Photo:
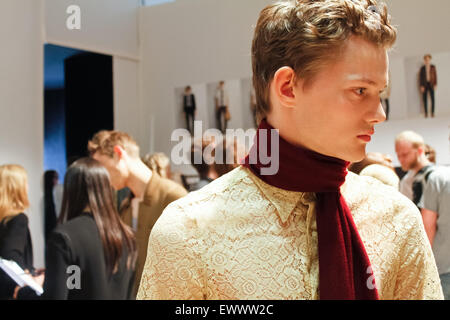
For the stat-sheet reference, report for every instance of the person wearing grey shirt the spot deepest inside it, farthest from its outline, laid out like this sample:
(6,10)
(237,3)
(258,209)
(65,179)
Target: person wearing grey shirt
(436,219)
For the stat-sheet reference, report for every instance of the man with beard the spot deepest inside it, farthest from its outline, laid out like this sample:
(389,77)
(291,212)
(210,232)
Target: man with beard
(410,149)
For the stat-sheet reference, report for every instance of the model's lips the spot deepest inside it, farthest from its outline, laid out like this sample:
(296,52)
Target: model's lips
(365,138)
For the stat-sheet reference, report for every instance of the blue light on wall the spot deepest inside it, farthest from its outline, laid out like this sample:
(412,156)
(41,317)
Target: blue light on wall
(54,109)
(155,2)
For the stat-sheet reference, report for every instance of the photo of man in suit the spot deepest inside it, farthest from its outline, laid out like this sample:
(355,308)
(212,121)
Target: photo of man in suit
(189,108)
(428,83)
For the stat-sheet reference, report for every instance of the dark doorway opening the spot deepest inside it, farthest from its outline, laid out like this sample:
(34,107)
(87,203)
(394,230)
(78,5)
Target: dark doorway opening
(78,102)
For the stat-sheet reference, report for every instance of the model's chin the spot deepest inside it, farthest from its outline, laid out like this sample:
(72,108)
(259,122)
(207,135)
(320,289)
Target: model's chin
(355,155)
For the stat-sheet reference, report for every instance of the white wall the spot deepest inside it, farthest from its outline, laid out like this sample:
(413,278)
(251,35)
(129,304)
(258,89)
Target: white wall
(107,26)
(422,26)
(21,102)
(127,108)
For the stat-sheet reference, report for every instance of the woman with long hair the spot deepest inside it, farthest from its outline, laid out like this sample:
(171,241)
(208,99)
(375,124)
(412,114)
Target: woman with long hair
(91,254)
(15,239)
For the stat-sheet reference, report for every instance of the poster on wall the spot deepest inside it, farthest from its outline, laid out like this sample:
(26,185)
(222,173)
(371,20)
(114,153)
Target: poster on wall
(221,105)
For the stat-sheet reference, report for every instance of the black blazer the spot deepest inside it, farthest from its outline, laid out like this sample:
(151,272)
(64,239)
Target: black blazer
(16,245)
(185,107)
(77,243)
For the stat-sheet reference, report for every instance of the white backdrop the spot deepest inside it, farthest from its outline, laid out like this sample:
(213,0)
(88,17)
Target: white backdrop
(21,102)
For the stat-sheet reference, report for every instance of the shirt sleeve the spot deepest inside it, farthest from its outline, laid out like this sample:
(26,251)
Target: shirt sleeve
(417,275)
(173,268)
(431,193)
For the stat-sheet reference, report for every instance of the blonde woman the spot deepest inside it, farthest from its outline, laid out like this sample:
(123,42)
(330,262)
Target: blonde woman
(15,239)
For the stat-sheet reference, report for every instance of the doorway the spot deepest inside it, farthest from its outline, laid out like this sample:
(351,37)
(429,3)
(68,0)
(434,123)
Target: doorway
(78,102)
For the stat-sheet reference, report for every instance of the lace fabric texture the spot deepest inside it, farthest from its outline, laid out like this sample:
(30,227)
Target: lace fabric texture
(240,238)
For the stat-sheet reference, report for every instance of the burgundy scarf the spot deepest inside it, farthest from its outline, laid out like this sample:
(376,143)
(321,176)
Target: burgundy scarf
(344,267)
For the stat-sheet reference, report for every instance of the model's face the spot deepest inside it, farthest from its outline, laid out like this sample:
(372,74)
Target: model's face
(427,60)
(116,168)
(336,113)
(407,155)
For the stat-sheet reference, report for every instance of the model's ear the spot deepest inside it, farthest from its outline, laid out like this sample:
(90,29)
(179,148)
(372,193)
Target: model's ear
(118,150)
(283,86)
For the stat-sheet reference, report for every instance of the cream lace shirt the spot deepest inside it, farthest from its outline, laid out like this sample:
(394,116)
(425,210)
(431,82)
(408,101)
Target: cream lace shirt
(240,238)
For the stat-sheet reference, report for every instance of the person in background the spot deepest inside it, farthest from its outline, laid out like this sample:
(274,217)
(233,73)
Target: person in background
(384,97)
(204,166)
(227,155)
(159,163)
(50,216)
(436,220)
(91,242)
(118,152)
(378,166)
(428,83)
(222,106)
(371,158)
(189,108)
(430,153)
(410,149)
(15,237)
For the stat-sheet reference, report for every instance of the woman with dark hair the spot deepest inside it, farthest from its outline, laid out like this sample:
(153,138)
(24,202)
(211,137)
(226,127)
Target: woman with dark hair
(50,181)
(92,253)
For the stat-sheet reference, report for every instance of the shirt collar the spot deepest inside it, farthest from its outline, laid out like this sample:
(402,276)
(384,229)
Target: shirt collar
(284,201)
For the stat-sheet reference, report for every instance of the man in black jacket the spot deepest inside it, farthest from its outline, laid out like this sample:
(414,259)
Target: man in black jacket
(189,108)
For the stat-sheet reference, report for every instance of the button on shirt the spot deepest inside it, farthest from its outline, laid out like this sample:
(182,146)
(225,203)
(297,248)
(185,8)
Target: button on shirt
(240,238)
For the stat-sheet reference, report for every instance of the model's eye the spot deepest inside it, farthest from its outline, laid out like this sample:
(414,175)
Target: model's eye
(360,91)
